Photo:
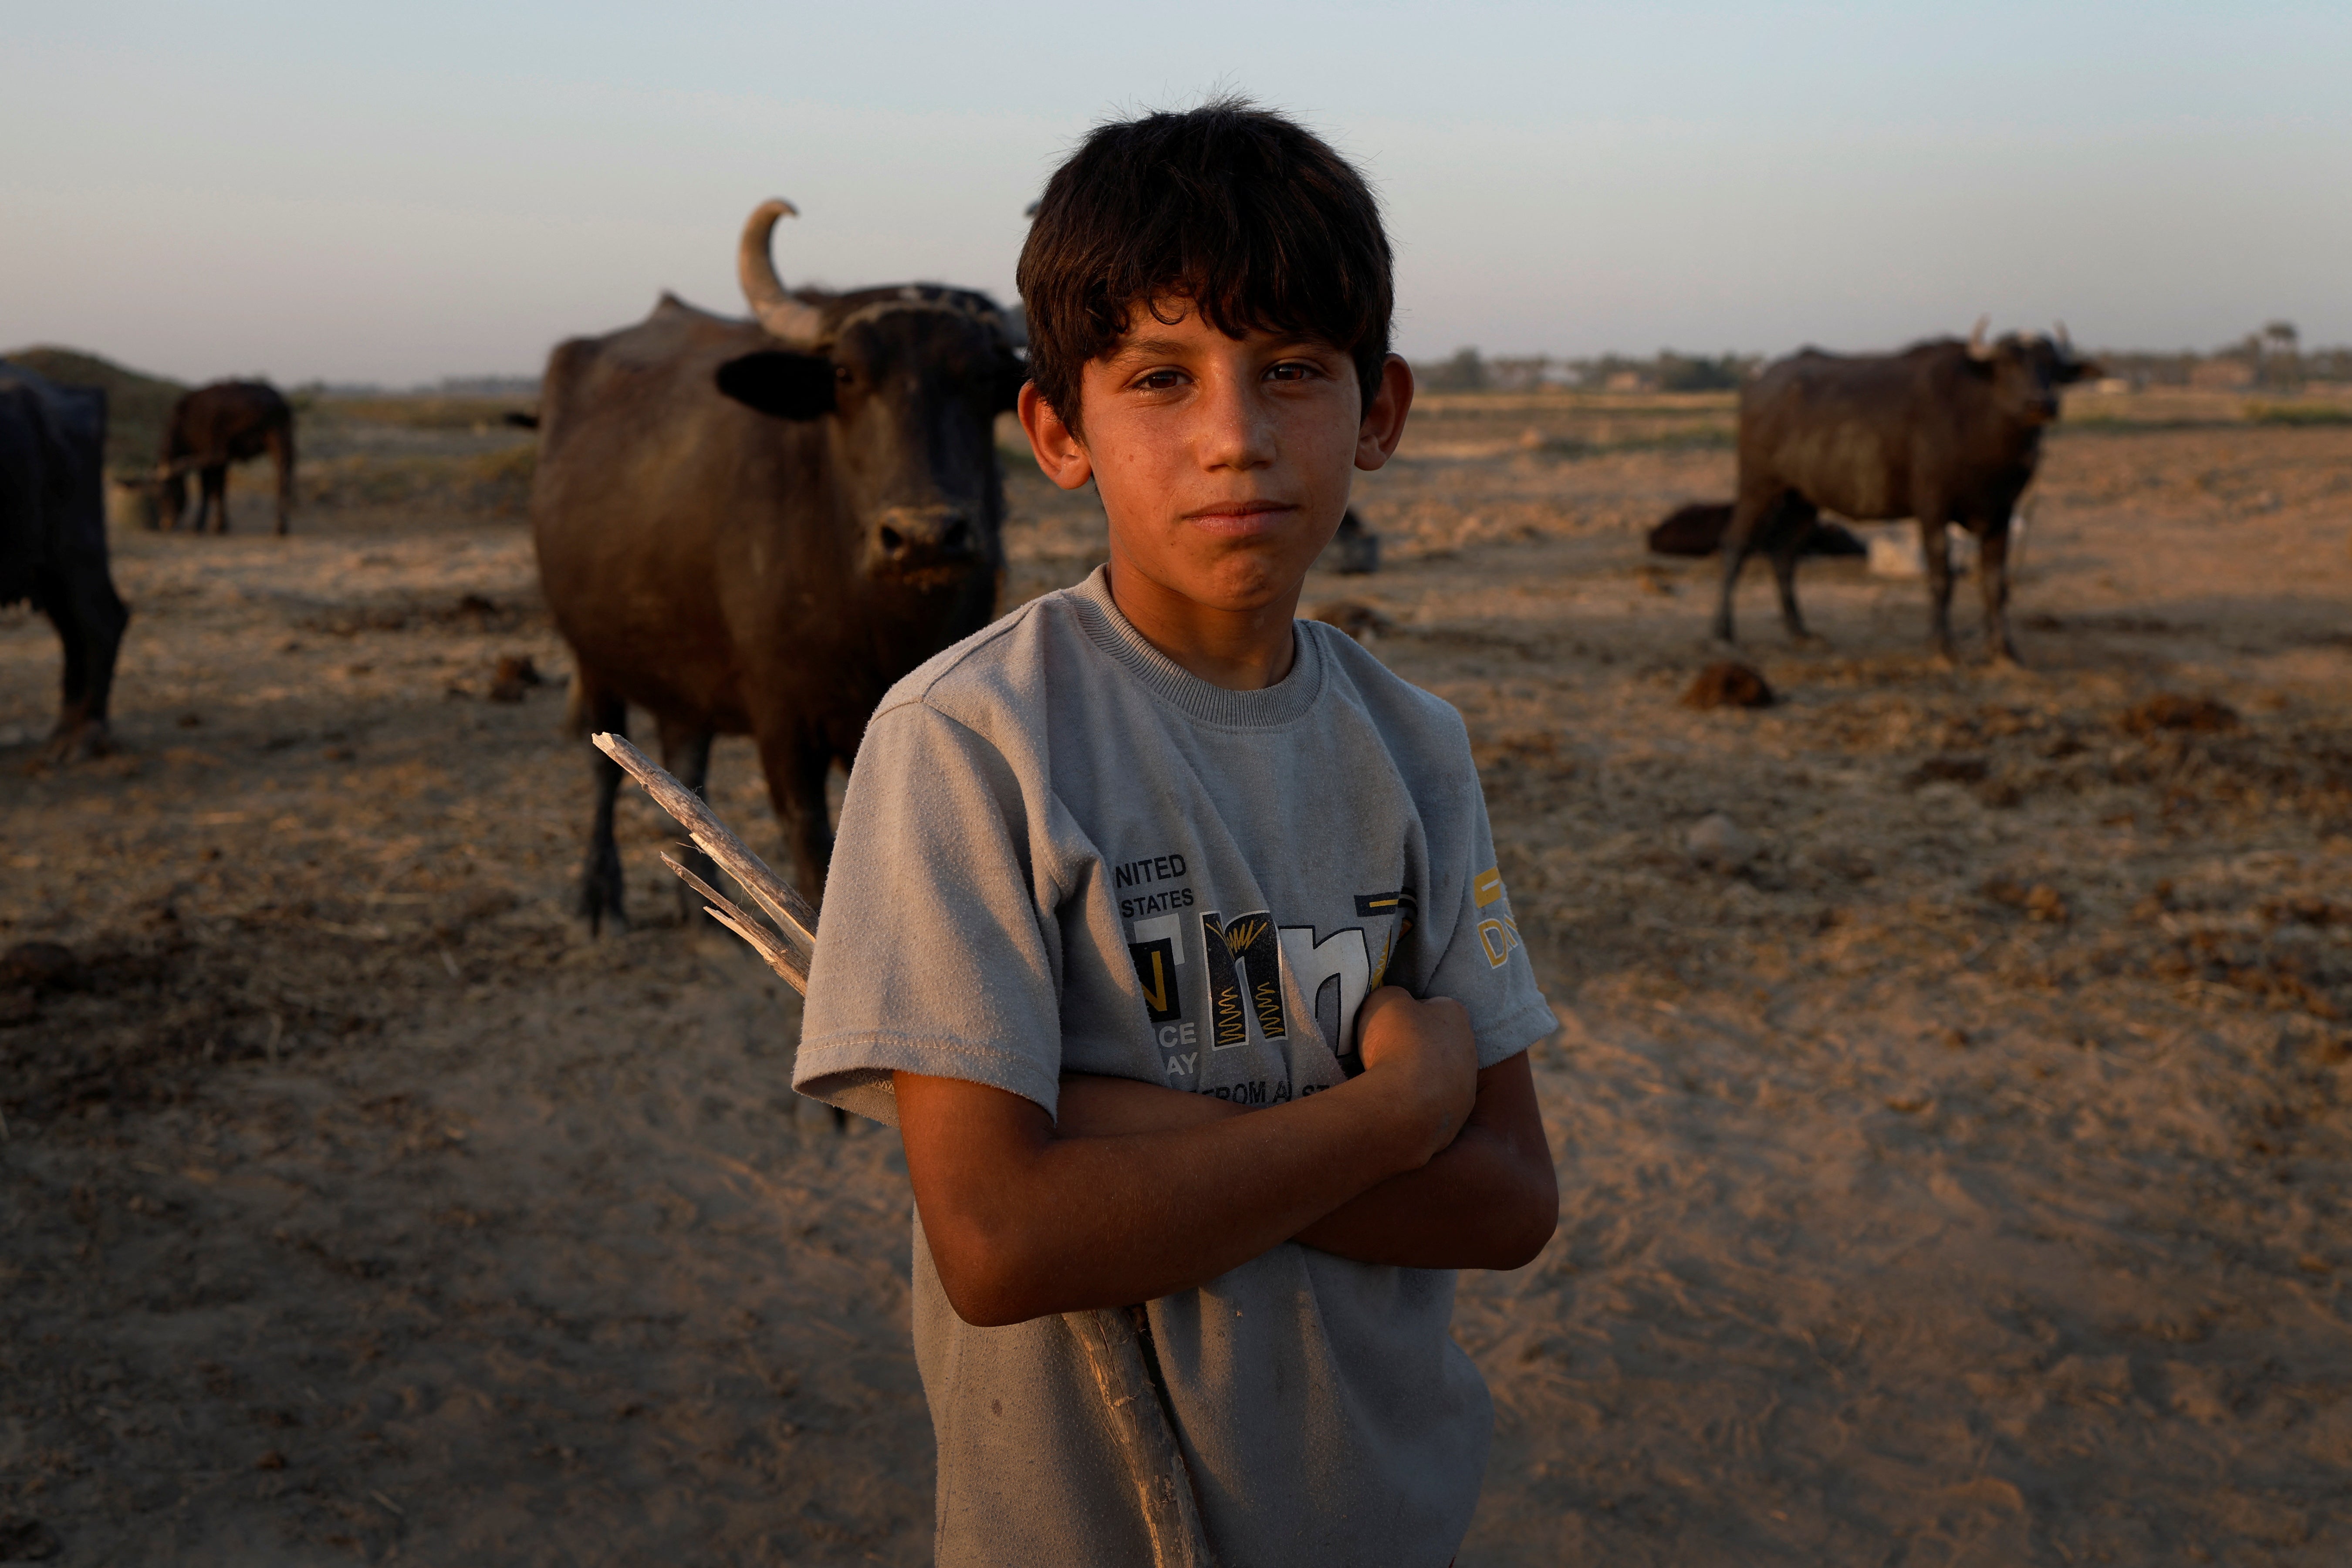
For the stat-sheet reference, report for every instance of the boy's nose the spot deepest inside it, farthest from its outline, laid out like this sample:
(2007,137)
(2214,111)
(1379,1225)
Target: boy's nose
(1240,433)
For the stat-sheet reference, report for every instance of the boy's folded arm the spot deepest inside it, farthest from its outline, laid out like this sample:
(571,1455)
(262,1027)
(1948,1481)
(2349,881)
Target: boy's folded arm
(1489,1200)
(1093,1106)
(1023,1221)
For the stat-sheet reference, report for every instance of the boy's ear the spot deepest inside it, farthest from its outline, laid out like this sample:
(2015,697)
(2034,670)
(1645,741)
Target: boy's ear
(1383,422)
(1059,453)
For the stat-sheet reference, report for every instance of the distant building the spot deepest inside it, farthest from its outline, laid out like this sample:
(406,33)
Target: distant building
(2222,376)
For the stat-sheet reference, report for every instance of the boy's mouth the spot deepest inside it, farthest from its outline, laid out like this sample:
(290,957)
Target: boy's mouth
(1240,519)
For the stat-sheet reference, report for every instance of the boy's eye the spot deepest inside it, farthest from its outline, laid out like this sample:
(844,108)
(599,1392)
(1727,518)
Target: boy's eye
(1290,370)
(1160,380)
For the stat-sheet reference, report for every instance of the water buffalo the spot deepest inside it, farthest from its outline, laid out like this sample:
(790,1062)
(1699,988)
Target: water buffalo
(1698,528)
(756,527)
(213,426)
(1945,432)
(53,540)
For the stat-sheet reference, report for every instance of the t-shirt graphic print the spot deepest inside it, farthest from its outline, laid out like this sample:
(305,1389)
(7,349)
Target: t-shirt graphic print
(1210,982)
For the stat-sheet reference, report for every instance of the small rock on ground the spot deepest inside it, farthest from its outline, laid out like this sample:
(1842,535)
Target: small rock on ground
(1729,684)
(1717,842)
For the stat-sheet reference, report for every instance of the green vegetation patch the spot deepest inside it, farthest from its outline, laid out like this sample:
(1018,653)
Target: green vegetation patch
(418,411)
(137,405)
(2299,413)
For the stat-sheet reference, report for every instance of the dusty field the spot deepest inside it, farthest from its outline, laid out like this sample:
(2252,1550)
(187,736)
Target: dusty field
(1959,1179)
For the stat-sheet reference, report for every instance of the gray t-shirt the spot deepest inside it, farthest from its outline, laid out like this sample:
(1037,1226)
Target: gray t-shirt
(1062,852)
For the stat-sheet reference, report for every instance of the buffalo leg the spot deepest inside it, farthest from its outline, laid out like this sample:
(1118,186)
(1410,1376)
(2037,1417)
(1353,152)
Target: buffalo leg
(1749,513)
(281,449)
(89,617)
(1992,582)
(600,885)
(213,491)
(1934,549)
(685,753)
(1791,526)
(798,764)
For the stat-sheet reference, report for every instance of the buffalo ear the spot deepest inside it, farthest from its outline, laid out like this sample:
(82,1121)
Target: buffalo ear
(787,385)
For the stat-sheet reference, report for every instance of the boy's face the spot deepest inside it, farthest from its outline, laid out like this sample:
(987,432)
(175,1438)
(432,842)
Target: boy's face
(1223,464)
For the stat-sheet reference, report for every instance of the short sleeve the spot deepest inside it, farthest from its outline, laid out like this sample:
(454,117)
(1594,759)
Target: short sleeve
(932,956)
(1483,965)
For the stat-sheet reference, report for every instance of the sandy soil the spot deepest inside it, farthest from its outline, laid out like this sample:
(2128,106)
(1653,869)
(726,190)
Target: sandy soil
(1959,1177)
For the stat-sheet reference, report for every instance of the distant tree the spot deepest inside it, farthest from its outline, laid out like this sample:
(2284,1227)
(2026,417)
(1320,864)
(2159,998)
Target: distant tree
(1465,372)
(2278,357)
(1612,370)
(2142,368)
(485,386)
(1696,373)
(2329,364)
(1528,373)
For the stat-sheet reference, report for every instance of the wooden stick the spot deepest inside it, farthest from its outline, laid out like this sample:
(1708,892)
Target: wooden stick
(714,838)
(1163,1484)
(779,953)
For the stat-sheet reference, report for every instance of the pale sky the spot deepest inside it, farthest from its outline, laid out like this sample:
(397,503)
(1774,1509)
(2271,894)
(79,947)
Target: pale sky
(396,194)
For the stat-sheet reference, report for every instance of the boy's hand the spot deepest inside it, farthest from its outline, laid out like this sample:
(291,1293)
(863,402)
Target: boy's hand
(1425,1052)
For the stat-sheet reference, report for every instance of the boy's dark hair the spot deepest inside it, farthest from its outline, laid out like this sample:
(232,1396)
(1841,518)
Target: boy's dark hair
(1250,217)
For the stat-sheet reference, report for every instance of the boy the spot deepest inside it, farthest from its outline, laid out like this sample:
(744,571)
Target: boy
(1166,927)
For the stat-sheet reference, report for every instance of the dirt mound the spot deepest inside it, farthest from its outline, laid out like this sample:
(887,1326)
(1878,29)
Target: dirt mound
(1729,684)
(2173,710)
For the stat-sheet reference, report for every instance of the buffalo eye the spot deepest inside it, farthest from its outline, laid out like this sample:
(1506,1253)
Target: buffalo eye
(783,384)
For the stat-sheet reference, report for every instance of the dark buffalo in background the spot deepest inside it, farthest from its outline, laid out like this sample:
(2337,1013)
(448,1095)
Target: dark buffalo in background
(53,540)
(1354,550)
(213,426)
(1945,432)
(755,528)
(1697,530)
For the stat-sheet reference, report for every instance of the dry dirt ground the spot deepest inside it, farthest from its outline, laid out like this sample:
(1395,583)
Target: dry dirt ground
(1957,1175)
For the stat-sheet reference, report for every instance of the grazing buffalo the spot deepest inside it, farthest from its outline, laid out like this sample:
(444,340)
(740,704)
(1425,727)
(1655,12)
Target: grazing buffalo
(1698,528)
(1945,432)
(213,426)
(756,527)
(53,540)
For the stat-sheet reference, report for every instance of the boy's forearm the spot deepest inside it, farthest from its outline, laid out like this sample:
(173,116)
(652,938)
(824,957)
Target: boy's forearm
(1488,1201)
(1024,1223)
(1093,1106)
(1481,1203)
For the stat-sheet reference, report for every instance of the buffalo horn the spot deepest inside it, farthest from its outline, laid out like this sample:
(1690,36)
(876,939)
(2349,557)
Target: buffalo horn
(1977,349)
(794,320)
